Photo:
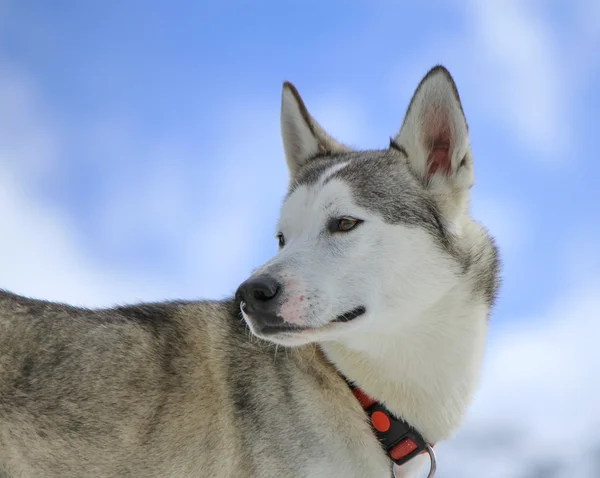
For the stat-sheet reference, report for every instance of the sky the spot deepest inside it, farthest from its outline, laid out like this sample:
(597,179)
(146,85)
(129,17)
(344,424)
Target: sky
(141,159)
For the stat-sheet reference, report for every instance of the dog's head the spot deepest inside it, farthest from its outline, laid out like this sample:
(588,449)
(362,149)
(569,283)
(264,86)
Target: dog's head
(366,238)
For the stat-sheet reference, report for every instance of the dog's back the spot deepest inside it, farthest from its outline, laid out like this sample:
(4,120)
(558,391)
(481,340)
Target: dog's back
(93,388)
(166,389)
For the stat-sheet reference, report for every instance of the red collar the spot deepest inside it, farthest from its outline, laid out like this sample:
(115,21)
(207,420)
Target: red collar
(400,441)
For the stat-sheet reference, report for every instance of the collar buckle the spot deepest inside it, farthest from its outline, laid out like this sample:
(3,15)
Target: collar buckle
(400,441)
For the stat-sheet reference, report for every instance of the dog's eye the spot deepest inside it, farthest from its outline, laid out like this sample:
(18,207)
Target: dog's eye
(343,224)
(281,239)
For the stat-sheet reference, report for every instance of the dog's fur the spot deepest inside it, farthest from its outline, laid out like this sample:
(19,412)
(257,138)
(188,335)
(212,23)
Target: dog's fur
(382,276)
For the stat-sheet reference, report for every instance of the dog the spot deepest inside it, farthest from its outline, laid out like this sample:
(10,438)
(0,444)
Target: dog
(378,300)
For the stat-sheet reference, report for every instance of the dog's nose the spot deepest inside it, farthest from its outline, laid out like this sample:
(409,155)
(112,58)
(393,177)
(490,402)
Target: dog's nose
(258,293)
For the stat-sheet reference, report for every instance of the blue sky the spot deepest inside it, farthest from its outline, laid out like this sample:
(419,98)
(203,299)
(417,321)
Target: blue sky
(140,156)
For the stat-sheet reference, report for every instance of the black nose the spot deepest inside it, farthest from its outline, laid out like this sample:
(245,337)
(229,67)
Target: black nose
(258,293)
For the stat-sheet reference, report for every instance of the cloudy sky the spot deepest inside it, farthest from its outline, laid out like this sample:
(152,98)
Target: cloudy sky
(140,159)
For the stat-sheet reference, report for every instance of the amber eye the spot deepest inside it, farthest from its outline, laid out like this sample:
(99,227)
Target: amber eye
(342,224)
(281,239)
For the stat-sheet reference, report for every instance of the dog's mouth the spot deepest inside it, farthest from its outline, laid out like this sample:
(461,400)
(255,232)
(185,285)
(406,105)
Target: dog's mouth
(277,326)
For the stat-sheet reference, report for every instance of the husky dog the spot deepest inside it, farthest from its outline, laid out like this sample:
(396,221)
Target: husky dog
(382,281)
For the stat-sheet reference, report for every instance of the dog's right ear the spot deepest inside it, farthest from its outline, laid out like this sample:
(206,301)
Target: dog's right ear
(303,138)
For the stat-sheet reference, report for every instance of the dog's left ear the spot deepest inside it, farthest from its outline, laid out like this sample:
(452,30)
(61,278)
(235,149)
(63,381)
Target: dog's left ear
(434,136)
(303,138)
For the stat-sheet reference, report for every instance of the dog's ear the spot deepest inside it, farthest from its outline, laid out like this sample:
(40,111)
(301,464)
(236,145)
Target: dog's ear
(303,138)
(434,137)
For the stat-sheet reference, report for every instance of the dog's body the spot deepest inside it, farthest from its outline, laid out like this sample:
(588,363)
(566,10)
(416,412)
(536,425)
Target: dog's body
(381,277)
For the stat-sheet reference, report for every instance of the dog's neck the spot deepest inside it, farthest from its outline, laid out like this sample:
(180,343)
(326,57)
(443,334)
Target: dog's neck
(427,373)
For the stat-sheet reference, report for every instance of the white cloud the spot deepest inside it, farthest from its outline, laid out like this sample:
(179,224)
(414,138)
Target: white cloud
(511,67)
(42,250)
(529,69)
(42,256)
(518,68)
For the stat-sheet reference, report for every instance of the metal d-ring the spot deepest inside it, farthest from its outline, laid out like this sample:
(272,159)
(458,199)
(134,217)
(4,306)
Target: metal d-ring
(432,463)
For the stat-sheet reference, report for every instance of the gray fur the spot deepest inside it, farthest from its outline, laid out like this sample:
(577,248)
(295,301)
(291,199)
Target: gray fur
(383,182)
